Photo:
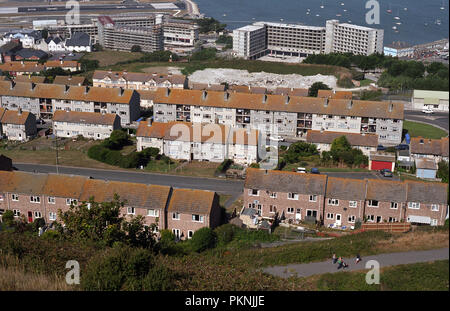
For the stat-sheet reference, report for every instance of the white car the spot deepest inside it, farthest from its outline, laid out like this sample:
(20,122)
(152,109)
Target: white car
(301,170)
(276,138)
(427,110)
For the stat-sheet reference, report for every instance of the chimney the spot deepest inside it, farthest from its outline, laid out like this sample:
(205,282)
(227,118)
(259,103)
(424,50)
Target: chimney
(325,103)
(21,62)
(150,121)
(167,92)
(69,78)
(121,91)
(109,71)
(66,89)
(204,95)
(226,95)
(86,89)
(350,104)
(124,72)
(13,84)
(266,172)
(286,99)
(264,99)
(19,111)
(391,107)
(32,86)
(421,141)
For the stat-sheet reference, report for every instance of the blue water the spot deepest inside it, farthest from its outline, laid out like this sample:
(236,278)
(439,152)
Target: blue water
(412,30)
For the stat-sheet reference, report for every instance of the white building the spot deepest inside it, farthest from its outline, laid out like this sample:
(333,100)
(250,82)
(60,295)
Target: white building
(202,142)
(180,33)
(93,125)
(349,38)
(249,42)
(436,100)
(17,124)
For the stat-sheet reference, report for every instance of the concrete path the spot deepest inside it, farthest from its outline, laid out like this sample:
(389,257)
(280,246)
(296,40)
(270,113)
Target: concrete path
(391,259)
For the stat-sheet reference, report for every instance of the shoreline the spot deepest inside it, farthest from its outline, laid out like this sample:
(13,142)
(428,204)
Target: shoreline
(192,8)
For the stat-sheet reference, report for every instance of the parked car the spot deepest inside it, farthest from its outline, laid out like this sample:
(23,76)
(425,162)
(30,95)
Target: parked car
(315,170)
(381,147)
(402,147)
(427,110)
(386,173)
(301,170)
(276,138)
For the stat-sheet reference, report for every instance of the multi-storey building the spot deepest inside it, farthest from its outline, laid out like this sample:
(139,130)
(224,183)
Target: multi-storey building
(138,81)
(180,33)
(349,38)
(17,125)
(44,195)
(341,202)
(249,42)
(202,142)
(290,116)
(93,125)
(44,99)
(124,37)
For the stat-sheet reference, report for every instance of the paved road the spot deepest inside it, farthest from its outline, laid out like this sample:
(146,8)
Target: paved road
(234,187)
(438,118)
(391,259)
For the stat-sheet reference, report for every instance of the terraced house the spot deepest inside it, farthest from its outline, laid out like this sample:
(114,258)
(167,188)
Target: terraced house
(44,99)
(289,116)
(434,149)
(138,81)
(17,125)
(43,195)
(203,142)
(341,202)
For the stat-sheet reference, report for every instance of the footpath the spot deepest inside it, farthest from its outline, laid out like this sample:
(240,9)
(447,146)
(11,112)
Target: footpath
(385,260)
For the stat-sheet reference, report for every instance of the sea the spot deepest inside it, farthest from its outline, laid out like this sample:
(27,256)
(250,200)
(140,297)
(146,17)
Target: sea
(409,21)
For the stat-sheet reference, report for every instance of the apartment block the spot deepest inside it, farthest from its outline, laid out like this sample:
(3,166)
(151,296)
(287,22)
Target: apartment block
(137,80)
(202,142)
(249,42)
(349,38)
(341,202)
(180,33)
(289,116)
(44,99)
(44,195)
(92,125)
(17,125)
(115,36)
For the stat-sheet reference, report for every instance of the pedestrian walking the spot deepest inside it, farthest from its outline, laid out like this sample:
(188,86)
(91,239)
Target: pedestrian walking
(334,258)
(339,262)
(358,258)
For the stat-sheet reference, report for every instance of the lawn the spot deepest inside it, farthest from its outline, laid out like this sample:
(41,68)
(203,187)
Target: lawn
(109,58)
(416,129)
(366,82)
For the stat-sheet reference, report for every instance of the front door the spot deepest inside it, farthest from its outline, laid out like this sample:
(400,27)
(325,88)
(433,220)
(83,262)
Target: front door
(176,232)
(298,214)
(30,217)
(338,220)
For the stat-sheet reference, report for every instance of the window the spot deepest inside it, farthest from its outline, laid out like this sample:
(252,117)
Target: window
(373,203)
(51,200)
(1,197)
(273,195)
(131,210)
(52,216)
(311,213)
(313,198)
(16,212)
(71,201)
(272,208)
(35,199)
(330,216)
(353,204)
(152,212)
(197,218)
(394,205)
(37,215)
(434,222)
(351,219)
(334,202)
(190,234)
(15,197)
(176,216)
(292,196)
(370,218)
(253,192)
(413,205)
(434,207)
(177,233)
(392,219)
(290,210)
(2,211)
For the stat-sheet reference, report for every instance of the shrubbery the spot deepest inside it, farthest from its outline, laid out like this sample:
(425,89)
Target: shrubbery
(224,166)
(203,239)
(298,150)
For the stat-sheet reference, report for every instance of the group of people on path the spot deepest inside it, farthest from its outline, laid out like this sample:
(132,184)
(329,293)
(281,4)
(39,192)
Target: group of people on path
(341,263)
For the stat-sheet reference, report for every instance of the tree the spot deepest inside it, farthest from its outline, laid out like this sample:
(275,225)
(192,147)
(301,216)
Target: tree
(443,171)
(298,150)
(203,239)
(44,33)
(136,48)
(340,144)
(98,47)
(8,218)
(315,87)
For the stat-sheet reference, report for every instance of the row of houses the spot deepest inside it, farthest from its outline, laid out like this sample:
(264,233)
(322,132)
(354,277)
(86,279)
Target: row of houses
(288,116)
(17,125)
(341,202)
(202,142)
(183,211)
(17,68)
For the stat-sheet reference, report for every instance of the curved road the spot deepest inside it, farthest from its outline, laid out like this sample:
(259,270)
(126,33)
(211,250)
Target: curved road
(439,119)
(385,260)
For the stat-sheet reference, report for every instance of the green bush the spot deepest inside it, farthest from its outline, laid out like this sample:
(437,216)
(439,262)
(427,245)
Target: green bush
(158,278)
(203,239)
(345,82)
(315,87)
(226,233)
(8,218)
(224,166)
(298,150)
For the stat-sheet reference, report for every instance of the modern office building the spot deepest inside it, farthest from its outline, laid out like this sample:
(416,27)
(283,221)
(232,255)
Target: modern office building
(249,42)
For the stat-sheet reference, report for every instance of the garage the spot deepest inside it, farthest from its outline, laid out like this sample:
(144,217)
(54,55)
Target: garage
(381,160)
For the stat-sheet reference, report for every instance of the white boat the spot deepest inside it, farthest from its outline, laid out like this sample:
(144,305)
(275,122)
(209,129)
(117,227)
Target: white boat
(438,22)
(399,23)
(322,6)
(345,10)
(342,3)
(394,27)
(317,15)
(349,22)
(442,7)
(338,15)
(307,13)
(405,9)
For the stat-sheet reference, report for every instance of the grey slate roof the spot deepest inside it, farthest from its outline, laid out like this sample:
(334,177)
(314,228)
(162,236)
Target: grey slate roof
(386,190)
(346,188)
(282,181)
(79,39)
(28,53)
(427,192)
